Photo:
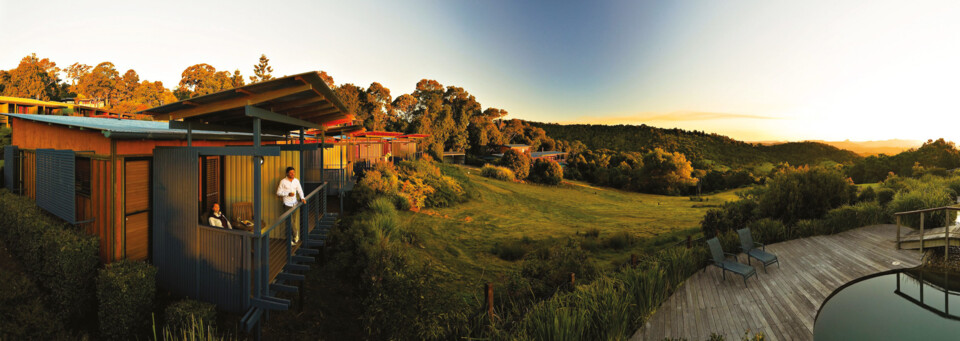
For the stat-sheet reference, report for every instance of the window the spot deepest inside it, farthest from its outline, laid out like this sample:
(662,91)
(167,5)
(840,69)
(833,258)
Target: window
(82,176)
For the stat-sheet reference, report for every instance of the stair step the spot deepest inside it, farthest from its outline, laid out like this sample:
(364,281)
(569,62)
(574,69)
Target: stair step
(297,267)
(291,277)
(283,288)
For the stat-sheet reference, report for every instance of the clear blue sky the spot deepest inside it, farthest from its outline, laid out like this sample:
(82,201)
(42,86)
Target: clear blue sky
(754,70)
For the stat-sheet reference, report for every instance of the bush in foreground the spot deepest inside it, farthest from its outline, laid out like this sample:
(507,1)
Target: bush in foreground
(184,313)
(518,162)
(496,172)
(126,291)
(62,260)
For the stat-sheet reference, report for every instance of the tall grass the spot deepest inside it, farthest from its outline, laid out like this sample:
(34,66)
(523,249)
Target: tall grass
(196,330)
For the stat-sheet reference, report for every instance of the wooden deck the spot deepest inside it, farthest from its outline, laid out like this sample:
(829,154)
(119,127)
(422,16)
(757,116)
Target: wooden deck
(782,303)
(932,237)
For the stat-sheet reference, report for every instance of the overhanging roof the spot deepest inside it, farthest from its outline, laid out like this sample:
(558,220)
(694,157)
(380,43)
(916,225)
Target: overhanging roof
(134,129)
(302,100)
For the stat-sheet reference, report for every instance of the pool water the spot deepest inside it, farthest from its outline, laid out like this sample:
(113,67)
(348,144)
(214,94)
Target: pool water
(905,304)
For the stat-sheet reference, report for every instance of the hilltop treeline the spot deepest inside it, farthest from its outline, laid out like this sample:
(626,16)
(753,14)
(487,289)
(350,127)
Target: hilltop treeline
(699,147)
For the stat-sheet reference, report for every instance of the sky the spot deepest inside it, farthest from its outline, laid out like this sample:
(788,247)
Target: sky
(751,70)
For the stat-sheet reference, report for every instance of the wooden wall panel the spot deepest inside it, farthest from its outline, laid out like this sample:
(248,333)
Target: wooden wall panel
(30,174)
(137,236)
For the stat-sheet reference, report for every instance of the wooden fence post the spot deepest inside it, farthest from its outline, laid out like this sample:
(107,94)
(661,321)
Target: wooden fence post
(689,241)
(922,214)
(490,301)
(898,232)
(633,260)
(573,279)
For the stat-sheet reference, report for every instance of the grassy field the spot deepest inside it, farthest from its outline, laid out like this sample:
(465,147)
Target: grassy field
(459,239)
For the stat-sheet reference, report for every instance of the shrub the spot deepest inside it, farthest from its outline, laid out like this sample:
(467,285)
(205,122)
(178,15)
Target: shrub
(496,172)
(921,197)
(853,216)
(125,291)
(416,193)
(592,233)
(731,216)
(546,172)
(768,231)
(62,260)
(184,313)
(619,240)
(23,314)
(805,193)
(193,330)
(808,228)
(885,195)
(513,250)
(867,194)
(548,268)
(517,162)
(374,183)
(596,311)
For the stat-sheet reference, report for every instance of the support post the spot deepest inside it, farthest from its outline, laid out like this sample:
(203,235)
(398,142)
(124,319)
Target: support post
(304,213)
(343,173)
(898,232)
(922,215)
(573,279)
(946,235)
(258,230)
(189,134)
(689,241)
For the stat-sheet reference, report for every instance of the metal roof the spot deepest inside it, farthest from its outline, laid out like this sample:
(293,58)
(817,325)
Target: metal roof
(302,100)
(135,129)
(516,145)
(542,154)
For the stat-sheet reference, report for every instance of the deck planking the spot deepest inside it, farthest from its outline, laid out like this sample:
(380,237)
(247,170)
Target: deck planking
(783,302)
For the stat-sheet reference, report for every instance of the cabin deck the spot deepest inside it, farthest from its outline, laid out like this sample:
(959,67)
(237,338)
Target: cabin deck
(932,237)
(278,256)
(782,303)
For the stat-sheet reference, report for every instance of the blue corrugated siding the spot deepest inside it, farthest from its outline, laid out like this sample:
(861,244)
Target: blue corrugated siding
(11,165)
(221,268)
(175,217)
(56,186)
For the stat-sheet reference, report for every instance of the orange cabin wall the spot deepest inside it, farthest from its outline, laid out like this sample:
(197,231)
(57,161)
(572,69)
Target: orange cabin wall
(35,135)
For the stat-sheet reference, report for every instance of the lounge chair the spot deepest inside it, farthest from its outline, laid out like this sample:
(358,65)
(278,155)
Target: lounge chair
(720,260)
(750,248)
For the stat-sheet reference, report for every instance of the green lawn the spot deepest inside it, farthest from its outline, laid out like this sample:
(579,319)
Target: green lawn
(459,239)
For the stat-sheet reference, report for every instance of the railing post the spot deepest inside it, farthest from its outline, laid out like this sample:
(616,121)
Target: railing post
(490,301)
(898,232)
(946,235)
(922,214)
(290,239)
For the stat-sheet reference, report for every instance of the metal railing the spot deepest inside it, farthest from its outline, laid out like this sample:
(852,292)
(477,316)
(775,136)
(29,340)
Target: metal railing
(315,202)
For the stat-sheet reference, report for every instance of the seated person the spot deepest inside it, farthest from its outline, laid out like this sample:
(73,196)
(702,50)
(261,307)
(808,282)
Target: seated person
(218,219)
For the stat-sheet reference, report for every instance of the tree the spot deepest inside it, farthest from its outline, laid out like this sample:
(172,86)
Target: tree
(518,162)
(327,79)
(666,173)
(76,71)
(101,83)
(236,80)
(262,70)
(546,172)
(202,79)
(33,78)
(377,107)
(128,85)
(153,94)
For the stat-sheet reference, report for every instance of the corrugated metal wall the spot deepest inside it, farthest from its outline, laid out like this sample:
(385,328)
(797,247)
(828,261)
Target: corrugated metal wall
(238,185)
(175,189)
(56,183)
(222,268)
(11,164)
(331,156)
(29,168)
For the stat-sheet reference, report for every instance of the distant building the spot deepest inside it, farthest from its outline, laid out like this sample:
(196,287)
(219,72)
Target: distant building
(523,148)
(557,156)
(17,105)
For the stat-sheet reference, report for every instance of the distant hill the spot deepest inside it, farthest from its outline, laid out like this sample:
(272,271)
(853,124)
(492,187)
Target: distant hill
(865,148)
(696,145)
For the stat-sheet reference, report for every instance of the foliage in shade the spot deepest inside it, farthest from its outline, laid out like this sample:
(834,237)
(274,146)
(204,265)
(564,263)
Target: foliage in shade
(805,193)
(182,314)
(62,260)
(126,291)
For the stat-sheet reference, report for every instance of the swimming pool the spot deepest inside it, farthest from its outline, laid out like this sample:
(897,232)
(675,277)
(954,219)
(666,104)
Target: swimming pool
(909,304)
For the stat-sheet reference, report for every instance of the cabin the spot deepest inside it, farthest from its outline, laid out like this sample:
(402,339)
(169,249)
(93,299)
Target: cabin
(558,156)
(144,186)
(16,105)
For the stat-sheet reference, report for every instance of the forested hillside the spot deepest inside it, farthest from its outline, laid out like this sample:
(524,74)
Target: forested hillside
(697,146)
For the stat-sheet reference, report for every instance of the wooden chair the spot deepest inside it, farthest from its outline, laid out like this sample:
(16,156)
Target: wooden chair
(243,211)
(750,248)
(720,260)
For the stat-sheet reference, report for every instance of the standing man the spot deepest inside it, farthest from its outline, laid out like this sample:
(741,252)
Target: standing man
(288,190)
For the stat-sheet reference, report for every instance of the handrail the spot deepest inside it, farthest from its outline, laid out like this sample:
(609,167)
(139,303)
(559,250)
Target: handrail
(952,207)
(286,214)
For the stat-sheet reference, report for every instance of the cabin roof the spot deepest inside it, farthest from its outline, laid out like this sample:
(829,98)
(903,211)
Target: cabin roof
(302,100)
(542,154)
(135,129)
(516,145)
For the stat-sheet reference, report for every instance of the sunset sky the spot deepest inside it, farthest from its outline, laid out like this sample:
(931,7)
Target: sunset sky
(752,70)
